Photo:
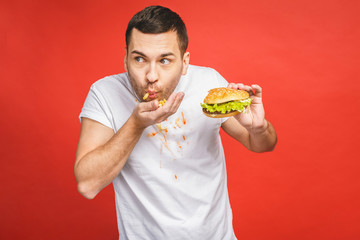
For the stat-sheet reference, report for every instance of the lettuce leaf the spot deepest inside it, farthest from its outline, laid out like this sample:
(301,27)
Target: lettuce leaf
(227,107)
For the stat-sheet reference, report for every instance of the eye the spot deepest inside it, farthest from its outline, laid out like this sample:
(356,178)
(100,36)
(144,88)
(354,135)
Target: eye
(165,61)
(139,59)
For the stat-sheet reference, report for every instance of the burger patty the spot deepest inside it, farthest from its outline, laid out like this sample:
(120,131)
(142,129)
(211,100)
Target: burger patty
(216,112)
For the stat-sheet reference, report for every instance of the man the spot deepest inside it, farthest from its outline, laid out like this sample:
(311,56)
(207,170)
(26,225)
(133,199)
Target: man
(166,162)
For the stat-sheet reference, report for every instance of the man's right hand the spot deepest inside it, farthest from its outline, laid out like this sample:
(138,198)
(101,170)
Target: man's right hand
(101,154)
(149,113)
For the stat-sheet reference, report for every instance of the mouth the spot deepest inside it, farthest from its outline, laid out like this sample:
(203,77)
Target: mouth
(152,94)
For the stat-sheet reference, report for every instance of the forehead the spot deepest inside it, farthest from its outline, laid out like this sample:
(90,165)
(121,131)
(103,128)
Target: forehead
(154,43)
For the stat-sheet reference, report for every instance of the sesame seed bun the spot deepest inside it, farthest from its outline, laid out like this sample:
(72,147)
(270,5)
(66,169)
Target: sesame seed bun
(221,95)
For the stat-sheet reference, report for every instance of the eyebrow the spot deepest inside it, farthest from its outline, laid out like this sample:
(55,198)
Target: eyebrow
(137,52)
(167,54)
(144,55)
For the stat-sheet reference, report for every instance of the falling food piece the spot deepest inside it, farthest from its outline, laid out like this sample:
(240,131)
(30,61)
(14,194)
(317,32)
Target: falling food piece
(146,96)
(184,137)
(175,176)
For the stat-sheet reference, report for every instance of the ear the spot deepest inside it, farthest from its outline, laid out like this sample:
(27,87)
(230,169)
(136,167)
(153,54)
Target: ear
(186,60)
(125,60)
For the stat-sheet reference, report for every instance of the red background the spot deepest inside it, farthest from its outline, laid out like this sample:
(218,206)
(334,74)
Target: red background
(305,55)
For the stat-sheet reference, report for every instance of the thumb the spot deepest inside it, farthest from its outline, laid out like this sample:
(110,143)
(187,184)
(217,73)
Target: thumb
(149,106)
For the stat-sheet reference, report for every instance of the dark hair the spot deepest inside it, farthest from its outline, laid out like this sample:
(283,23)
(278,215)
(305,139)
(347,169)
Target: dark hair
(158,19)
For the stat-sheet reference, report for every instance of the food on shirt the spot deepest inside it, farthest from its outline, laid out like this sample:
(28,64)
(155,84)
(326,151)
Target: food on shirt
(146,96)
(225,102)
(183,118)
(152,134)
(177,122)
(160,127)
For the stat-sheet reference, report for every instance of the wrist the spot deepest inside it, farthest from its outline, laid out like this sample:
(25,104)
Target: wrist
(136,124)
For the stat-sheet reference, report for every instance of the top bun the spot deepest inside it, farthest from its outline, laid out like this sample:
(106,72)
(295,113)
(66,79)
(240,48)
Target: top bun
(221,95)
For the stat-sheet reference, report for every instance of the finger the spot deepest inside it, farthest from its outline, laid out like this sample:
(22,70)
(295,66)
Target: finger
(173,104)
(241,86)
(232,85)
(178,99)
(247,88)
(171,98)
(257,90)
(170,107)
(236,86)
(149,106)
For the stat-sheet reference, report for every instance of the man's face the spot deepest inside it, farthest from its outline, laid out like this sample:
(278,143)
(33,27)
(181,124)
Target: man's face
(154,64)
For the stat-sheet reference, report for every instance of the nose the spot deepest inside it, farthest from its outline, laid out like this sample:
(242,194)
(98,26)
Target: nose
(152,74)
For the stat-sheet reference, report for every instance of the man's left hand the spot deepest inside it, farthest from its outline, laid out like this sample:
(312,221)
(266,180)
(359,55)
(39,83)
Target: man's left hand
(253,118)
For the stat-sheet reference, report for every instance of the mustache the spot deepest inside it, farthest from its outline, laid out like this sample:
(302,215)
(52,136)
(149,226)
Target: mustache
(153,88)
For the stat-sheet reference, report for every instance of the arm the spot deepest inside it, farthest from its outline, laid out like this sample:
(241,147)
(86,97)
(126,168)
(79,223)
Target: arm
(262,140)
(101,154)
(251,128)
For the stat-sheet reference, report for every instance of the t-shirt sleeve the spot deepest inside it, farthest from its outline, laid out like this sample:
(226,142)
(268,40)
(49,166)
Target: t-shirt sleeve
(221,80)
(94,108)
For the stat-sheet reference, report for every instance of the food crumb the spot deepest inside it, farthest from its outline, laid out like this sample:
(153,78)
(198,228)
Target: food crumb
(177,122)
(160,127)
(152,134)
(162,102)
(183,118)
(175,176)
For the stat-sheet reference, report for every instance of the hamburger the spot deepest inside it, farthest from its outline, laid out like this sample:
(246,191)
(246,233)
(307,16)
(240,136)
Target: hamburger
(225,102)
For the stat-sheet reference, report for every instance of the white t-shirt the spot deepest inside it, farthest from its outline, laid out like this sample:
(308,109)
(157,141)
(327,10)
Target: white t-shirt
(173,185)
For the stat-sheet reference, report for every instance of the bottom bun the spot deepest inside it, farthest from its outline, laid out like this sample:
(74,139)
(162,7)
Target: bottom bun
(220,115)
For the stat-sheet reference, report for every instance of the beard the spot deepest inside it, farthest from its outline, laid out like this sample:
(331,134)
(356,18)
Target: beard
(163,90)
